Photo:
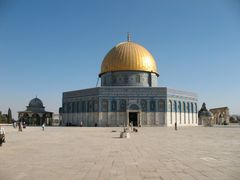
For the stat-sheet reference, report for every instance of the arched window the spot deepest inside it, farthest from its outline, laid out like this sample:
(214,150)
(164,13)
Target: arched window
(114,106)
(77,108)
(175,106)
(144,105)
(105,105)
(152,106)
(125,78)
(90,106)
(69,108)
(73,107)
(123,104)
(95,106)
(138,78)
(114,79)
(161,105)
(83,106)
(80,106)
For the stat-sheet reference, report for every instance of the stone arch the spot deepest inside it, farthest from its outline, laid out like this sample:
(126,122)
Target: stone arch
(175,106)
(36,119)
(133,107)
(25,118)
(170,110)
(175,111)
(188,112)
(192,110)
(196,113)
(180,111)
(184,110)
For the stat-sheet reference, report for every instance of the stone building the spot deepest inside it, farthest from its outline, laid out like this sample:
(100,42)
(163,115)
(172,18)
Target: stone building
(220,115)
(129,92)
(35,114)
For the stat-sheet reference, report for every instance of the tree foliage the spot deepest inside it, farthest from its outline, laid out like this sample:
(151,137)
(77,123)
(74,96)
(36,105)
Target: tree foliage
(9,116)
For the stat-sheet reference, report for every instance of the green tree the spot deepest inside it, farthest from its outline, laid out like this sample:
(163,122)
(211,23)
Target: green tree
(9,117)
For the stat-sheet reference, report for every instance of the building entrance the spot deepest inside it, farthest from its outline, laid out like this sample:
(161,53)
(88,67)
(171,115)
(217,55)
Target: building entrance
(133,118)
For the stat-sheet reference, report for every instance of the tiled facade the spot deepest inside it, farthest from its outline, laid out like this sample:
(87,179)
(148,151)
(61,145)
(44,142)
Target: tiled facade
(129,94)
(112,106)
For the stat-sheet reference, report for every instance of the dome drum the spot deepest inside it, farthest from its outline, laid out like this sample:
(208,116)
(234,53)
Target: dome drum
(129,78)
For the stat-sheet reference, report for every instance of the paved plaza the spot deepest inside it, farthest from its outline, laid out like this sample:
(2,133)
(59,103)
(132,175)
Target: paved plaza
(76,153)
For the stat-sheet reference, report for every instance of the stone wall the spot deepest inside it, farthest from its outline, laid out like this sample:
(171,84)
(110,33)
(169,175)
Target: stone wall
(220,115)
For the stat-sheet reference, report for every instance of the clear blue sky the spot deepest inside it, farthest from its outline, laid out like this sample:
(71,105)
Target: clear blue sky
(51,46)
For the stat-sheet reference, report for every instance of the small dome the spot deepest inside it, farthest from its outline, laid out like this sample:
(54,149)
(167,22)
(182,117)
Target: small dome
(35,103)
(128,56)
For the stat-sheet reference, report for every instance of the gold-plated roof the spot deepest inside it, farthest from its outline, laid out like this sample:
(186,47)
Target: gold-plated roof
(128,56)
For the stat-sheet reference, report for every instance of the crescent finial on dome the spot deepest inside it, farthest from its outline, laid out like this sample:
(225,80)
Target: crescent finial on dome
(128,36)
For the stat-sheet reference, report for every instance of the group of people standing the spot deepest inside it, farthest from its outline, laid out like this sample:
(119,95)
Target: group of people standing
(15,124)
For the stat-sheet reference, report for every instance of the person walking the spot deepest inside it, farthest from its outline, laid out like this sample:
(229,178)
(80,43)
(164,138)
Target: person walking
(43,126)
(19,126)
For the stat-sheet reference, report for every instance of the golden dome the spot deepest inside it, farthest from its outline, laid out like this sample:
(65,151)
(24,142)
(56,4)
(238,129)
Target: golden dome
(128,56)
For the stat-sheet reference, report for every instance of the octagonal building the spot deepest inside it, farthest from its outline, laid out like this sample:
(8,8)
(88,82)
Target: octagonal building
(129,93)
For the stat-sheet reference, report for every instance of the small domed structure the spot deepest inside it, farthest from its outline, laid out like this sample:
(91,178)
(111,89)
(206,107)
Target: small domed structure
(35,113)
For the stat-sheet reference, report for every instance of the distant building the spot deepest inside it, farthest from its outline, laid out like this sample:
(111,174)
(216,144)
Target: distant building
(129,93)
(56,119)
(220,115)
(35,114)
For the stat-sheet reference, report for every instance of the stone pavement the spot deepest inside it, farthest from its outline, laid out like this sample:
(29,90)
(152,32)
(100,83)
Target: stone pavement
(76,153)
